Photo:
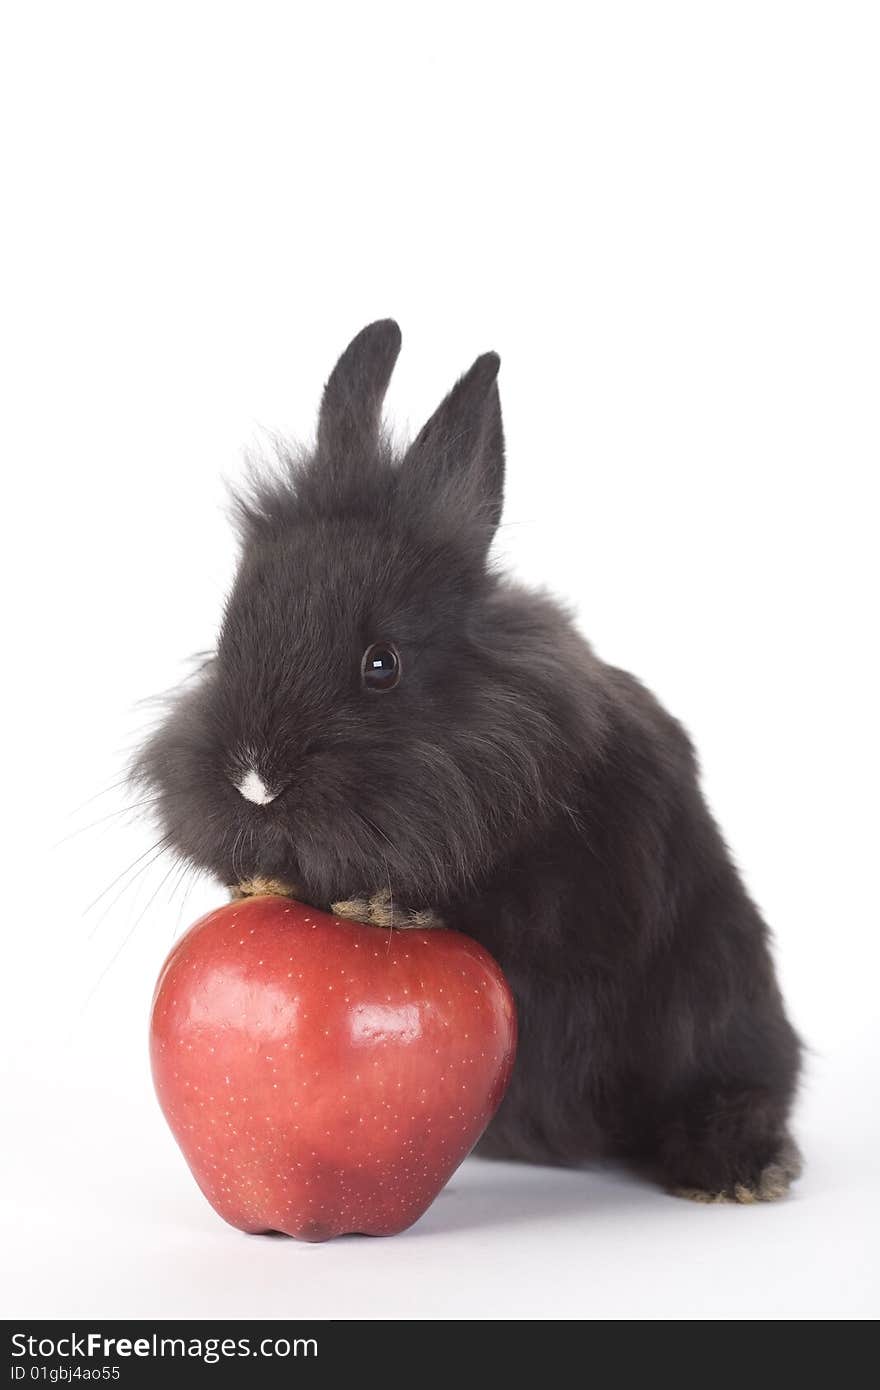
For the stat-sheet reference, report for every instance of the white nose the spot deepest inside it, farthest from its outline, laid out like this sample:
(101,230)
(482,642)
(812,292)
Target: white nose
(253,788)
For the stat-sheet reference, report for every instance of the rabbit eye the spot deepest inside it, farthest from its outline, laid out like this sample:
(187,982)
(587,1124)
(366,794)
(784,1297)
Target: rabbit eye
(380,667)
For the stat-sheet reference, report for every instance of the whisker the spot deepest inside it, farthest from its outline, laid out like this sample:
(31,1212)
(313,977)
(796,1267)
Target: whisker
(120,811)
(138,879)
(241,851)
(125,940)
(164,840)
(123,781)
(378,829)
(194,876)
(248,840)
(236,844)
(390,903)
(178,880)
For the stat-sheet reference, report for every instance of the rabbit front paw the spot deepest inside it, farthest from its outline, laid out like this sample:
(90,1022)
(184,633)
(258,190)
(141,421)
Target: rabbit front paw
(259,887)
(380,910)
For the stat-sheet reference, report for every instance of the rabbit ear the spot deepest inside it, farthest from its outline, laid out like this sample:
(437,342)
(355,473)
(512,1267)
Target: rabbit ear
(459,454)
(351,407)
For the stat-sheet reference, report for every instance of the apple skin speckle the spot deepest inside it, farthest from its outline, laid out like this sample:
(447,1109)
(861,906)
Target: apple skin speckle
(319,1112)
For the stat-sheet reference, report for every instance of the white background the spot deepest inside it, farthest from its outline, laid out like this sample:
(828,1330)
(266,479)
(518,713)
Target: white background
(666,219)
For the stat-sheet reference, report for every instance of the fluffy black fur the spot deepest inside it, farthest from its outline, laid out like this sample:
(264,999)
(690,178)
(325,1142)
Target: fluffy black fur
(526,792)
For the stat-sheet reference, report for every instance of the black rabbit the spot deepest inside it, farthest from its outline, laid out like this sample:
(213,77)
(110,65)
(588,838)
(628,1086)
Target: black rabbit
(391,727)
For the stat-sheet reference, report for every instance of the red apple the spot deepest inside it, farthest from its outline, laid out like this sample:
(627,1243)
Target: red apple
(322,1076)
